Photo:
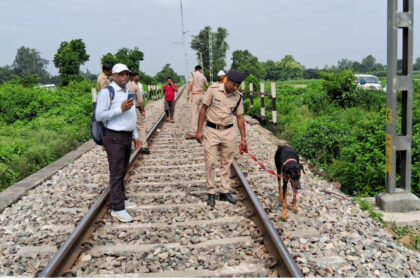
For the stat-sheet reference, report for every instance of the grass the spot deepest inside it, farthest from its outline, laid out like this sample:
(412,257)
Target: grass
(367,206)
(400,231)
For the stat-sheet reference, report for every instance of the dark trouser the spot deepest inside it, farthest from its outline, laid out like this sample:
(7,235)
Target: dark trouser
(169,109)
(118,149)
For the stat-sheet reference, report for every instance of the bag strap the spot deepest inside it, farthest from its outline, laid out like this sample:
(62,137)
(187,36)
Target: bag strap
(237,105)
(111,94)
(111,97)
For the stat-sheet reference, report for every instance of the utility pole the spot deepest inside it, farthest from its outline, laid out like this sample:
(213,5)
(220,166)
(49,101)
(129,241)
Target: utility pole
(399,142)
(183,43)
(211,56)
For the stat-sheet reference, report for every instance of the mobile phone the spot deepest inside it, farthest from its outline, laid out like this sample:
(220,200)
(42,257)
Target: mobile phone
(130,95)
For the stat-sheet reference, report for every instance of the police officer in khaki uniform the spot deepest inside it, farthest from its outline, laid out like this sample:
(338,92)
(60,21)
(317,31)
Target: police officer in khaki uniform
(220,103)
(196,87)
(133,87)
(103,79)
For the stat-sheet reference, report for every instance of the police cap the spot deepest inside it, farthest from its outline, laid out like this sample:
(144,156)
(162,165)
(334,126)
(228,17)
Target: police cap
(235,76)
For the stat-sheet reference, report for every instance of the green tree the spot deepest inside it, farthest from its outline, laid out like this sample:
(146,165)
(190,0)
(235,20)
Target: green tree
(272,71)
(247,63)
(146,79)
(200,43)
(166,72)
(344,64)
(89,76)
(290,68)
(6,74)
(68,59)
(129,57)
(416,65)
(29,62)
(311,73)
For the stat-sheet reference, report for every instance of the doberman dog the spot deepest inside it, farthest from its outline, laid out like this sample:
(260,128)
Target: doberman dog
(288,166)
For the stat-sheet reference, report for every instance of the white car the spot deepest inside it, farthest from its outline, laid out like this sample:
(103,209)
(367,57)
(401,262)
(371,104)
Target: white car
(368,82)
(48,86)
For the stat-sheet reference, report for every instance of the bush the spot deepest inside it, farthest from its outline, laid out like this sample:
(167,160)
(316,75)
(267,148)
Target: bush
(340,87)
(316,99)
(255,82)
(372,100)
(40,126)
(360,167)
(321,139)
(415,159)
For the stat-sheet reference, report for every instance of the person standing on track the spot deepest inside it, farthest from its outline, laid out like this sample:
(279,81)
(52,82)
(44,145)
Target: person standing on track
(169,89)
(119,116)
(133,87)
(220,103)
(222,77)
(196,87)
(103,79)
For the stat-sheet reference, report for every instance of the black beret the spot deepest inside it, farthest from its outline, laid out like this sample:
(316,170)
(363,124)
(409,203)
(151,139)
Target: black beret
(235,76)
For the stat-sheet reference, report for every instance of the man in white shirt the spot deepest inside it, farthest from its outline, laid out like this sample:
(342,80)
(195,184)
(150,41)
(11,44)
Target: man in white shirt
(119,116)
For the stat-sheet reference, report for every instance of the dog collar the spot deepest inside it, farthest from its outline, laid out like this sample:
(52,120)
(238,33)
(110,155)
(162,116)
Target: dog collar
(289,160)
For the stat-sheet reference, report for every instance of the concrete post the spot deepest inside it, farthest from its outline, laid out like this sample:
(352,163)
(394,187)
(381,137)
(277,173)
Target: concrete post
(273,103)
(262,99)
(251,96)
(93,90)
(399,200)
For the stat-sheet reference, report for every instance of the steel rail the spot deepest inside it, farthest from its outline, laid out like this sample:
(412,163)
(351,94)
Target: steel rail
(286,266)
(69,251)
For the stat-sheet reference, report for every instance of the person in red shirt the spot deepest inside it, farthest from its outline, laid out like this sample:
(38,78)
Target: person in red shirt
(169,90)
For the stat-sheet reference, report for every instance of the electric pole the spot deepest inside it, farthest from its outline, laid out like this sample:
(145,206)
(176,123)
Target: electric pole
(211,56)
(183,43)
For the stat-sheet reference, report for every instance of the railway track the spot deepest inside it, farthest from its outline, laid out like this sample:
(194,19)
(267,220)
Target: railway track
(174,232)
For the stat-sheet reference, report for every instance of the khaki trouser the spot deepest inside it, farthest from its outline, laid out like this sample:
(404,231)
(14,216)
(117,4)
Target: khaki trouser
(141,129)
(215,140)
(195,110)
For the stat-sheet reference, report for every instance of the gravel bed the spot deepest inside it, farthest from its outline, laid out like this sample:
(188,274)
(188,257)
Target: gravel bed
(181,234)
(163,259)
(330,236)
(55,202)
(166,199)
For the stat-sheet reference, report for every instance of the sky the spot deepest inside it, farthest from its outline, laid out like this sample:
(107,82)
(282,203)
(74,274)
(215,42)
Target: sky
(315,32)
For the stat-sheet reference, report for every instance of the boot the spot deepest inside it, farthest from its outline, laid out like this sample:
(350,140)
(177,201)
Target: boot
(227,197)
(211,200)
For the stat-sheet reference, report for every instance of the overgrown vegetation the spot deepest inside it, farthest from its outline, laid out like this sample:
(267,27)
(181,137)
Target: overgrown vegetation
(38,126)
(340,128)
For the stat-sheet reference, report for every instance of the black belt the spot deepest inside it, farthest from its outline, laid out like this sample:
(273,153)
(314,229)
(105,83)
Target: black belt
(218,126)
(116,131)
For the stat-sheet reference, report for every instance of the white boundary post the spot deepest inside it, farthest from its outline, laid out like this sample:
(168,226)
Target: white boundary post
(262,100)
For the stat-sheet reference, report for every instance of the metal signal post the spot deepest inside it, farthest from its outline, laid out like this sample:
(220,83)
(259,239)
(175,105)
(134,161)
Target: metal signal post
(399,200)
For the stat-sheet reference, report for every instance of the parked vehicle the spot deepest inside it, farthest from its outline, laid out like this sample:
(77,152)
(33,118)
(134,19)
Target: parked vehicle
(368,82)
(48,86)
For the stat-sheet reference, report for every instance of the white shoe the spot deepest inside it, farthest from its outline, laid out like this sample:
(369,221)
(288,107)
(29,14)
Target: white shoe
(129,205)
(122,216)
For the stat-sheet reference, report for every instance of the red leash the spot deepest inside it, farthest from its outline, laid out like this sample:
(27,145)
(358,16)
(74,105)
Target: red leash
(241,151)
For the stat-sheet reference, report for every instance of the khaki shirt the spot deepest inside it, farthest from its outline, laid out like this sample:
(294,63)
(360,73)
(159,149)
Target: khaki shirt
(220,105)
(134,88)
(198,81)
(102,81)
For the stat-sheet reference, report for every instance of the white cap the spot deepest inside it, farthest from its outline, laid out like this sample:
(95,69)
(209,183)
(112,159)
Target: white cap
(119,67)
(221,73)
